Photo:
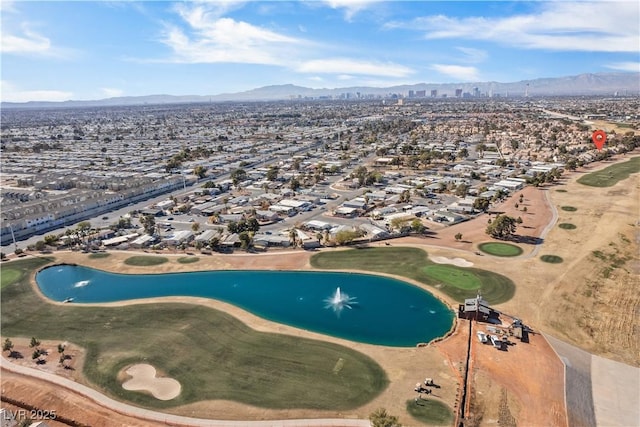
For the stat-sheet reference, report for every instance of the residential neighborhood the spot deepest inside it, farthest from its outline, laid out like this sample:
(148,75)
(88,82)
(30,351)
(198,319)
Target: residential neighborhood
(283,174)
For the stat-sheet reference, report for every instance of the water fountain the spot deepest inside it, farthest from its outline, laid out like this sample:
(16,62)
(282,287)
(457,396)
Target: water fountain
(339,301)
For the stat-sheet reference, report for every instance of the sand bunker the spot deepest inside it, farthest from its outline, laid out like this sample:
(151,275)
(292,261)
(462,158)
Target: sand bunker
(143,378)
(458,262)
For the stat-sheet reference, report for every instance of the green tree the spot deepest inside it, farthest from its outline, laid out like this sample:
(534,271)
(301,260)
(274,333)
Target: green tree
(34,343)
(417,226)
(253,225)
(7,346)
(61,348)
(245,240)
(40,245)
(502,227)
(149,224)
(461,190)
(238,175)
(380,418)
(199,171)
(195,227)
(481,204)
(272,173)
(50,239)
(294,184)
(344,237)
(458,237)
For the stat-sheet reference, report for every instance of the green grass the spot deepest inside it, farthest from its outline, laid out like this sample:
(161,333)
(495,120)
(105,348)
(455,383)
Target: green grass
(9,275)
(99,255)
(430,411)
(413,263)
(145,261)
(211,354)
(188,259)
(567,226)
(500,249)
(611,175)
(568,208)
(454,276)
(551,259)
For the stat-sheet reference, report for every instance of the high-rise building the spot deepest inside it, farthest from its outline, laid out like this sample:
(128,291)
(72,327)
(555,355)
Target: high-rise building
(434,93)
(458,93)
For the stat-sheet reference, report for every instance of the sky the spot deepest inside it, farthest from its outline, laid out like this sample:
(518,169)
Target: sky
(85,50)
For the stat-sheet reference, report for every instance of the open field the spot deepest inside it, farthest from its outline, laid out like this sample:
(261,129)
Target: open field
(182,340)
(414,264)
(612,174)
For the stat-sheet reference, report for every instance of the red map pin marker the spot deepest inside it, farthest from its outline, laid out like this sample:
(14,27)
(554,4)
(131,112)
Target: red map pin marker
(599,137)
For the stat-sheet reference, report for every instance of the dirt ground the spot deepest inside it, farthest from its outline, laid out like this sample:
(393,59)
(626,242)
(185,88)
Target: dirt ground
(584,300)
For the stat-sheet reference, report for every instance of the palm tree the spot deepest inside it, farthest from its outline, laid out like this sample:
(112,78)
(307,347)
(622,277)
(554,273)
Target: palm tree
(293,237)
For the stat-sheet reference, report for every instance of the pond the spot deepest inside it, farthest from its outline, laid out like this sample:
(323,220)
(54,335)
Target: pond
(357,307)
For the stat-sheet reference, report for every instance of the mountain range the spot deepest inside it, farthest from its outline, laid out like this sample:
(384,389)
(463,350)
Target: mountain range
(582,84)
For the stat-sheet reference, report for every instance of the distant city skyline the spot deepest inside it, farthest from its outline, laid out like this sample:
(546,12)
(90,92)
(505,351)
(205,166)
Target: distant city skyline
(82,50)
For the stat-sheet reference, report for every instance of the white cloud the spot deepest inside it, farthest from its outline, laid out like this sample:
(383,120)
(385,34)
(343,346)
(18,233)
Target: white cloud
(351,7)
(7,6)
(349,66)
(458,72)
(111,92)
(625,66)
(12,93)
(561,26)
(213,38)
(344,77)
(29,42)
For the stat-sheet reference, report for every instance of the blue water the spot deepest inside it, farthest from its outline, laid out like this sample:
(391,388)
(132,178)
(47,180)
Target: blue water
(384,312)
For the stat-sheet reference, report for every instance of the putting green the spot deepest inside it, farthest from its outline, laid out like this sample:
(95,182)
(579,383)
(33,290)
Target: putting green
(453,276)
(99,255)
(551,259)
(500,249)
(145,261)
(430,411)
(568,208)
(567,226)
(414,264)
(188,259)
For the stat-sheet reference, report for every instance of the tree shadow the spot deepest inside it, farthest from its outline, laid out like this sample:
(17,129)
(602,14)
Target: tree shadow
(530,240)
(16,355)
